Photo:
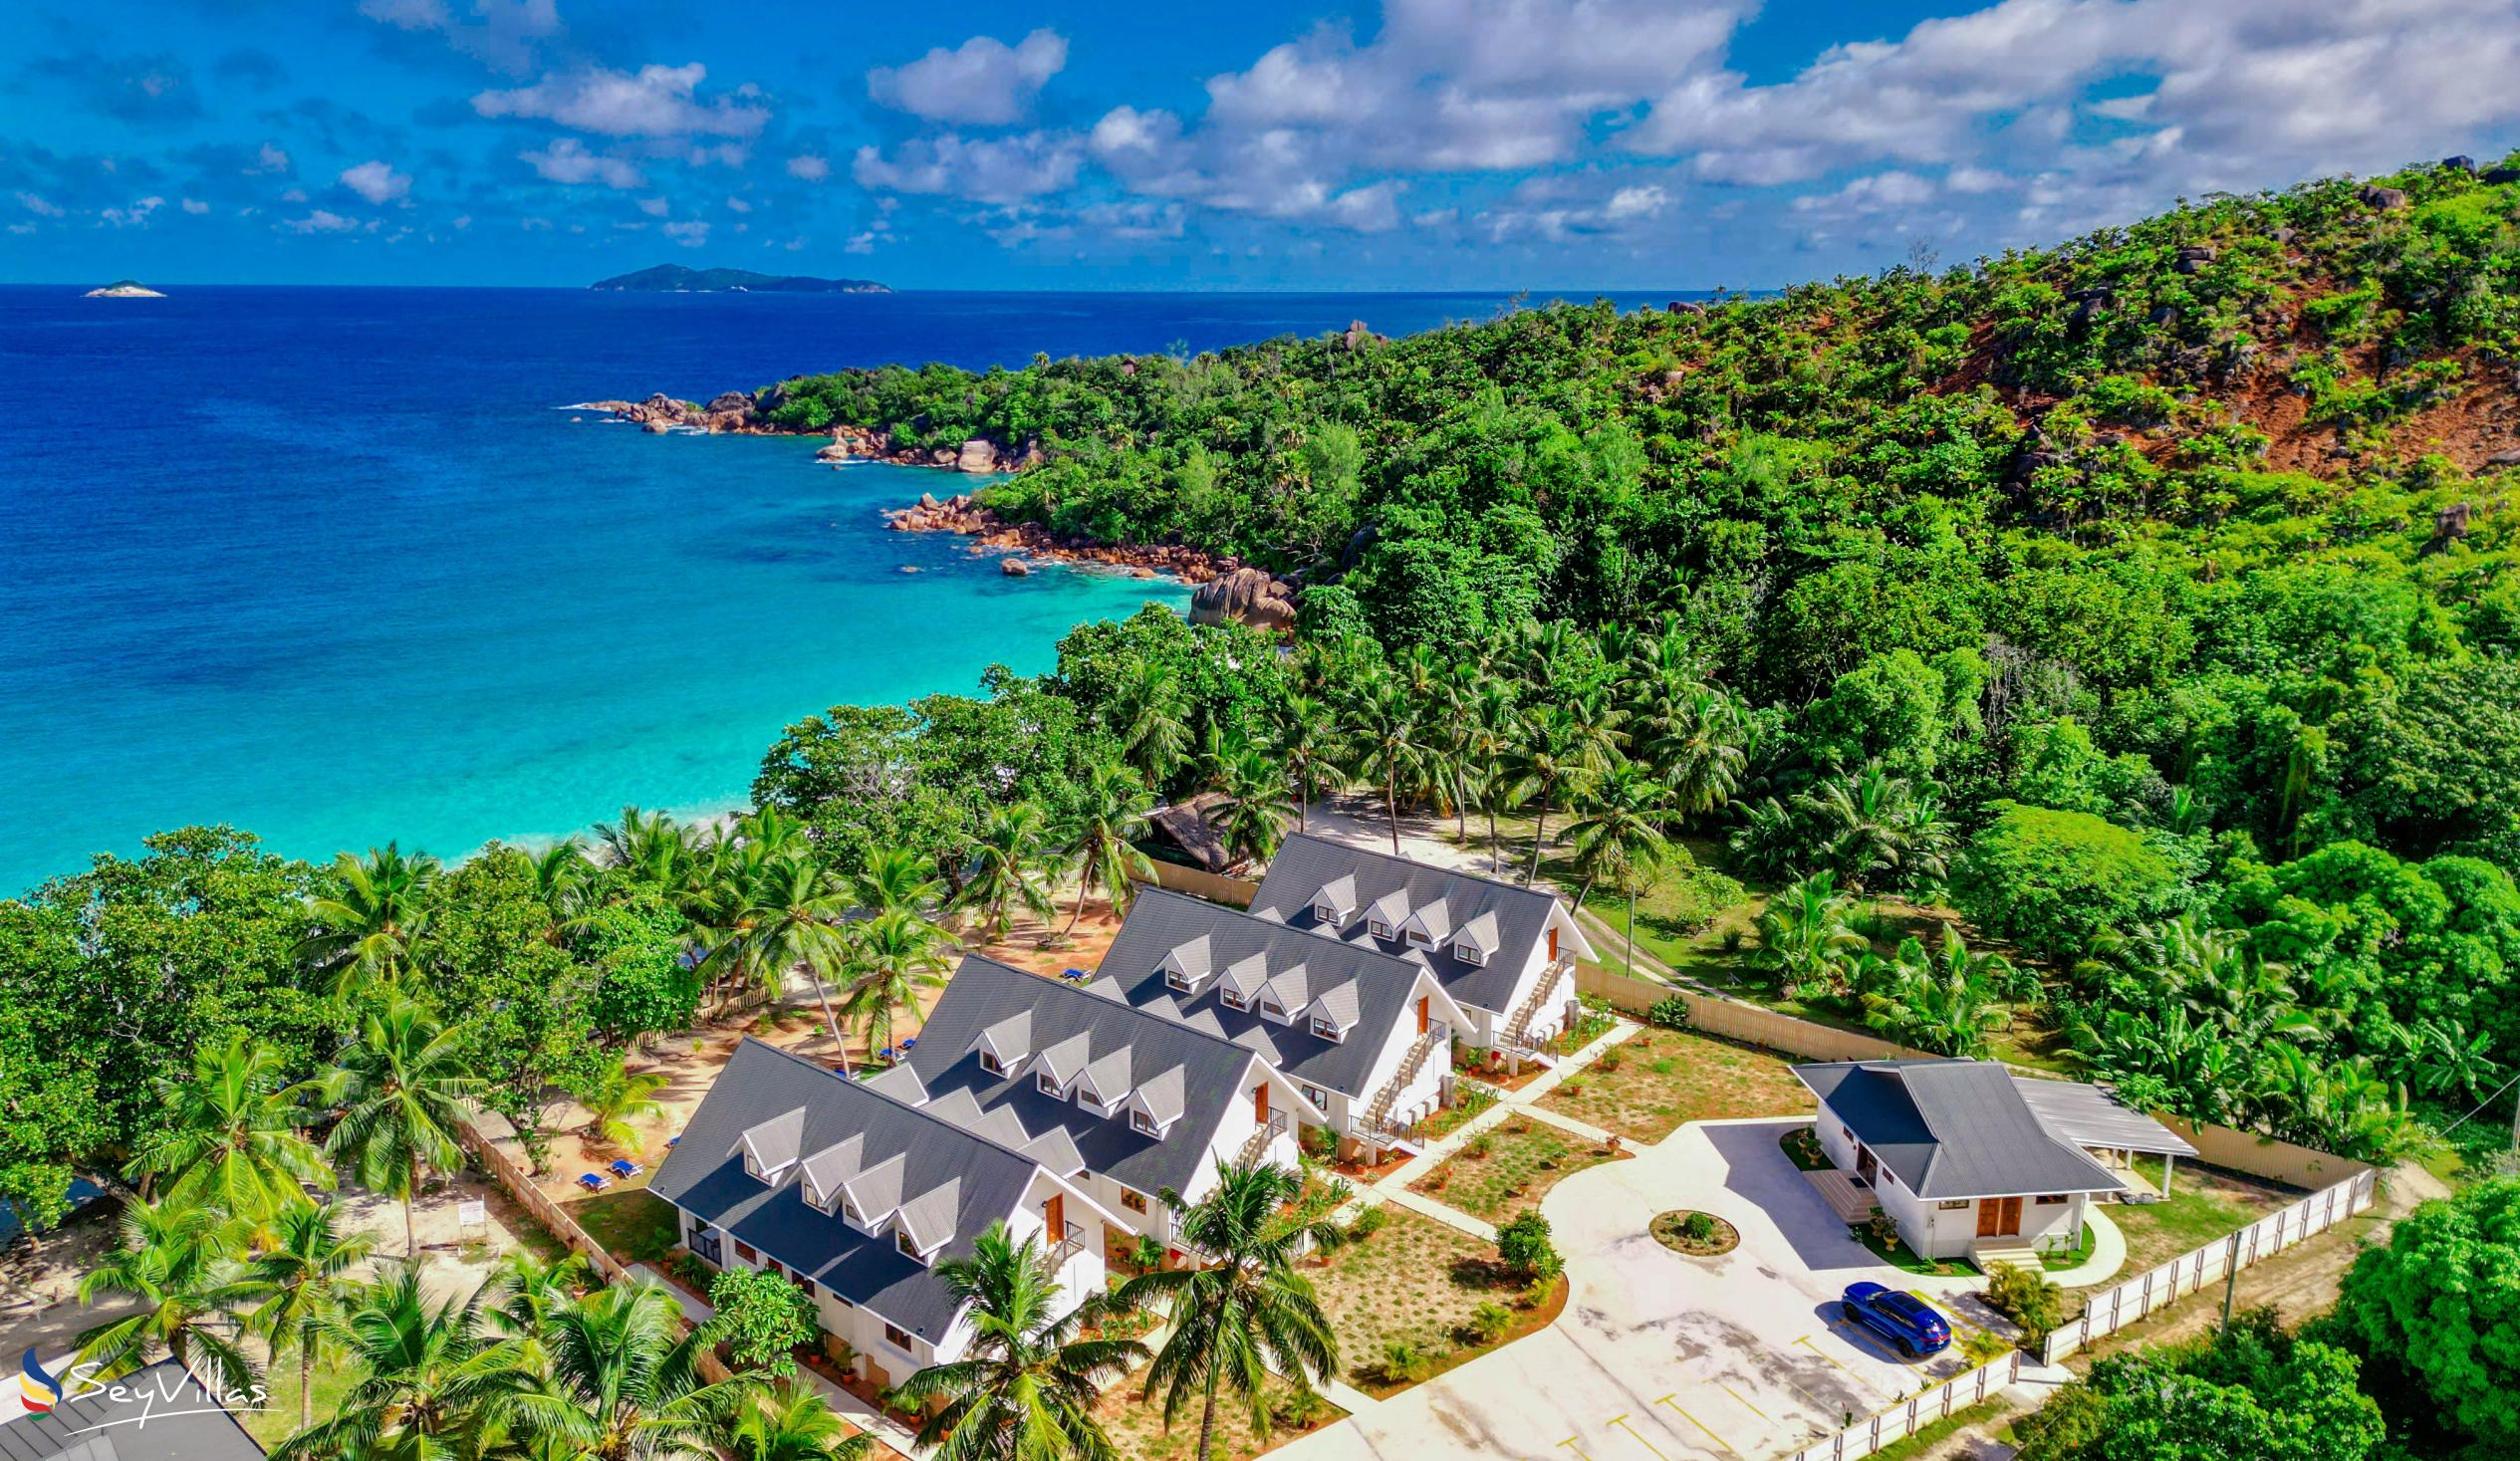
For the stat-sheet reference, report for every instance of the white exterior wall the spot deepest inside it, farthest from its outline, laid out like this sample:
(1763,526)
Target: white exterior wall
(1224,1144)
(1932,1230)
(1552,1018)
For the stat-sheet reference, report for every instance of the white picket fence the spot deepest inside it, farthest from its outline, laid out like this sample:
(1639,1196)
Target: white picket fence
(1900,1421)
(2113,1308)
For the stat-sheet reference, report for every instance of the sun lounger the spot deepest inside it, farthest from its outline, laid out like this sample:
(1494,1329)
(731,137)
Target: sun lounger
(593,1181)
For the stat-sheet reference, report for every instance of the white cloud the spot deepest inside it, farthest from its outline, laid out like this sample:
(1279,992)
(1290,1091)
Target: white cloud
(40,207)
(983,82)
(1875,193)
(1556,211)
(502,32)
(195,206)
(567,160)
(859,243)
(655,207)
(691,233)
(809,166)
(655,101)
(376,182)
(270,159)
(136,215)
(738,205)
(320,221)
(998,170)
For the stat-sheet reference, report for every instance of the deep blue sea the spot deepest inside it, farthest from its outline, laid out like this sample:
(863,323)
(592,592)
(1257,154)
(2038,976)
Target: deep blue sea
(328,564)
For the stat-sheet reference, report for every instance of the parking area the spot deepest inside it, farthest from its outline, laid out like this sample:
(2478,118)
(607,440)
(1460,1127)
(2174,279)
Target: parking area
(1742,1357)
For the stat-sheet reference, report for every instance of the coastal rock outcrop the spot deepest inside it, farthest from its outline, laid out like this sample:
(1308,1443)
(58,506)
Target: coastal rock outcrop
(1014,568)
(979,454)
(1246,595)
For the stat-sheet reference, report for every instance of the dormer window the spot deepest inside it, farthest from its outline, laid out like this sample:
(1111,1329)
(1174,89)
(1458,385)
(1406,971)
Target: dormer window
(1232,1000)
(1089,1100)
(1143,1124)
(902,1240)
(1176,979)
(1469,953)
(1417,939)
(1324,1027)
(1325,913)
(992,1064)
(1273,1009)
(1379,929)
(1048,1085)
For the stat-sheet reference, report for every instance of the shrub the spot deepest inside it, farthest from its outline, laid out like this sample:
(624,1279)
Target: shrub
(1480,1145)
(2053,880)
(1490,1322)
(1523,1245)
(1610,1061)
(1572,1085)
(1669,1013)
(1368,1223)
(2027,1299)
(1538,1292)
(761,1318)
(1295,1408)
(1406,1363)
(1698,1227)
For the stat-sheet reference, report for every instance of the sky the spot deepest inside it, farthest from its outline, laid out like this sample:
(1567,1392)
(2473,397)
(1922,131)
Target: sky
(1423,144)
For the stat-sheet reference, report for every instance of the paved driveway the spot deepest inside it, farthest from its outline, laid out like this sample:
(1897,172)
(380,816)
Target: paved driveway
(1663,1356)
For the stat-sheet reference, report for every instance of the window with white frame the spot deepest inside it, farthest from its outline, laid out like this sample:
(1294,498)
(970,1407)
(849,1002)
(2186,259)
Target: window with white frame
(1469,953)
(1324,1027)
(1144,1123)
(992,1064)
(1325,913)
(1420,939)
(1232,1000)
(903,1240)
(1047,1083)
(1378,929)
(1176,979)
(1273,1009)
(1318,1096)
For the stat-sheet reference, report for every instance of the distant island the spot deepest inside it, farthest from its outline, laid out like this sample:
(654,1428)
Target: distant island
(124,289)
(675,278)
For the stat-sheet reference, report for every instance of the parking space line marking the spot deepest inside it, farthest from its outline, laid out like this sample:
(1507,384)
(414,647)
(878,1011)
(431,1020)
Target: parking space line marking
(1737,1394)
(1858,1377)
(1721,1443)
(1570,1441)
(1621,1421)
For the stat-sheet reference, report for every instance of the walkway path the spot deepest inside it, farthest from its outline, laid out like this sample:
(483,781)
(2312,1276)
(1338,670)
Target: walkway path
(2108,1254)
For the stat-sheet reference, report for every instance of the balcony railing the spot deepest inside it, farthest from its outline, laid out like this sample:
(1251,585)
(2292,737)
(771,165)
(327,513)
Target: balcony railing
(1069,1245)
(706,1246)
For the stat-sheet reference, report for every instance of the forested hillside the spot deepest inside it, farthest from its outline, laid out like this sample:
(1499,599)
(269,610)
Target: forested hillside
(2178,551)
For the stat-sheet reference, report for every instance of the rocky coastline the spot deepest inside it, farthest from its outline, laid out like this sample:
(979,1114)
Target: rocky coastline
(1225,590)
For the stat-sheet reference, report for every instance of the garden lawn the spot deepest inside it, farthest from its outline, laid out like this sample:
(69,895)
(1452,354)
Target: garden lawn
(1524,1159)
(2204,1203)
(1414,1283)
(635,1225)
(1647,1086)
(1138,1433)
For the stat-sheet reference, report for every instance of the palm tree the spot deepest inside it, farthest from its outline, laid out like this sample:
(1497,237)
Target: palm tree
(615,1097)
(894,877)
(1867,821)
(430,1381)
(791,918)
(377,909)
(565,880)
(228,1137)
(1149,721)
(624,1378)
(528,1291)
(1620,836)
(1250,1310)
(179,1262)
(402,1086)
(890,958)
(654,850)
(1258,806)
(1946,1004)
(302,1279)
(790,1423)
(1388,745)
(1012,863)
(1554,751)
(1026,1386)
(1805,937)
(1110,816)
(1305,744)
(1494,724)
(1700,753)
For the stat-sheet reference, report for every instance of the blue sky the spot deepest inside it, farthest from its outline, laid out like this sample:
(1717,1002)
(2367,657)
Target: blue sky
(1484,145)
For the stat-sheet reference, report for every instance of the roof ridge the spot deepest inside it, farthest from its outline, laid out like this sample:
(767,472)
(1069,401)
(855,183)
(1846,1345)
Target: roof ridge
(887,1097)
(1514,887)
(1274,930)
(1100,1003)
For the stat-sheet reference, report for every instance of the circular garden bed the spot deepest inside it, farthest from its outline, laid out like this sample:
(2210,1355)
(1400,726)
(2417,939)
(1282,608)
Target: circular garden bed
(1695,1234)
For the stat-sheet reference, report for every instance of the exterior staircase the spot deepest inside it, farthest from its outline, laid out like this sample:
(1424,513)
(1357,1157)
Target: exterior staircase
(1377,1116)
(1518,1026)
(1258,1143)
(1990,1253)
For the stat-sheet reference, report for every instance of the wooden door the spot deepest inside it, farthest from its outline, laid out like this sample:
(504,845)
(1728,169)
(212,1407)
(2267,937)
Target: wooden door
(1999,1217)
(1424,1001)
(1260,1102)
(1865,1166)
(1054,1216)
(1553,943)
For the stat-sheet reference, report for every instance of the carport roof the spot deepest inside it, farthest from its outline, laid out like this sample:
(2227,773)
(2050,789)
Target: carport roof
(2093,1116)
(1953,1128)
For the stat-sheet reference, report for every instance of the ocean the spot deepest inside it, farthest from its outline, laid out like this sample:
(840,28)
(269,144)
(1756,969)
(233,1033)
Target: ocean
(333,566)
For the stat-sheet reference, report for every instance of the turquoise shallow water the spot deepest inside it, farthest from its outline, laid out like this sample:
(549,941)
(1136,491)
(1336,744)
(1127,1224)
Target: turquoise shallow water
(327,565)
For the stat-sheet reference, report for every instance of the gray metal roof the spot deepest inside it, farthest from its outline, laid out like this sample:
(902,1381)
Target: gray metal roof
(2093,1116)
(1367,991)
(1951,1129)
(902,1152)
(155,1413)
(1085,1026)
(1307,864)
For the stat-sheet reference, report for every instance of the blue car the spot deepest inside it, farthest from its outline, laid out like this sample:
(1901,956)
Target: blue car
(1906,1321)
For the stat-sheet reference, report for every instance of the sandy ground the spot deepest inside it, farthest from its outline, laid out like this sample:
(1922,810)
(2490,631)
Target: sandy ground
(1357,819)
